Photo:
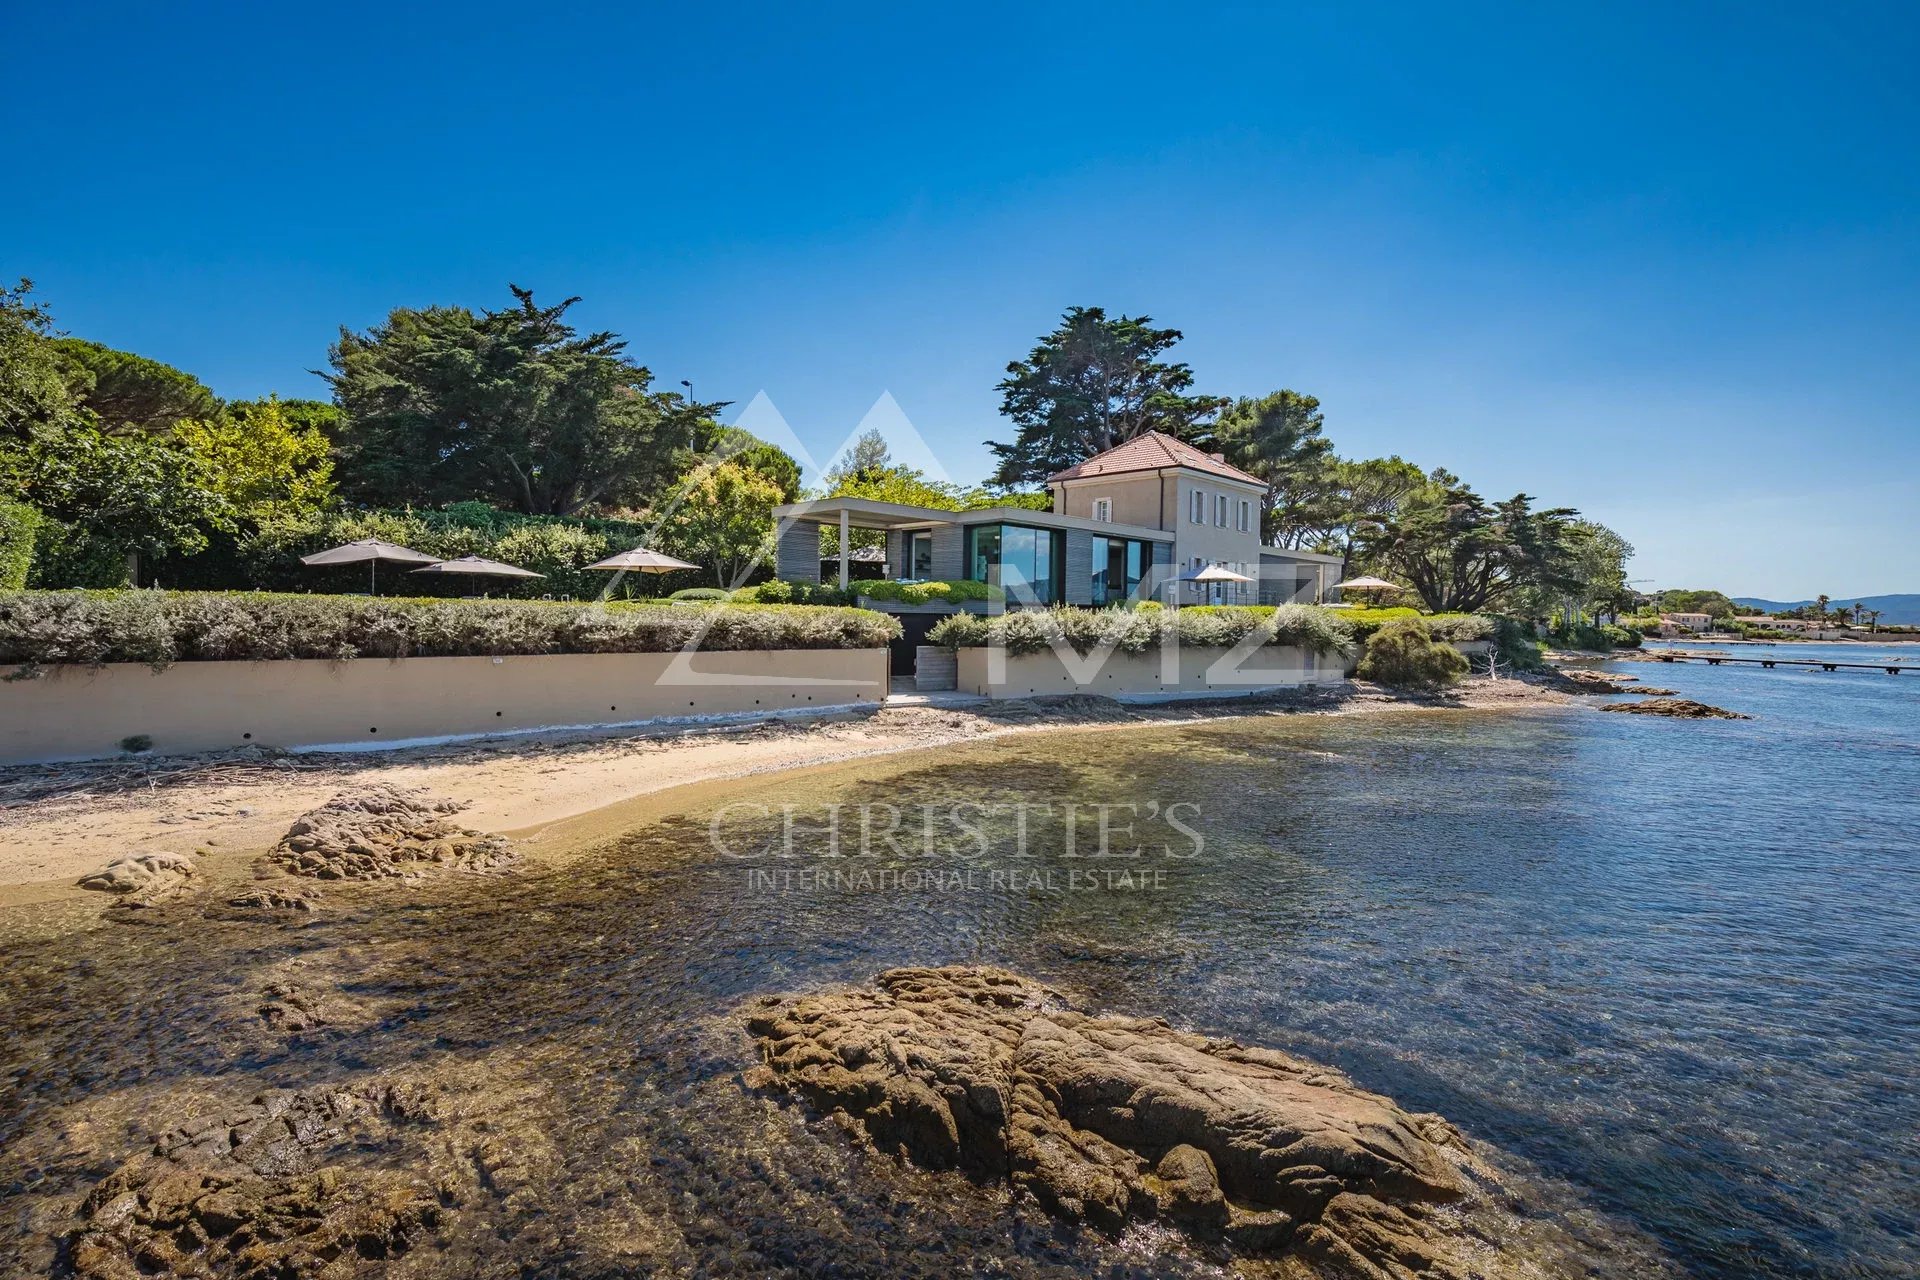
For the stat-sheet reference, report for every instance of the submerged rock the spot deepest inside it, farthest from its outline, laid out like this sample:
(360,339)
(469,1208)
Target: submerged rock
(1681,708)
(284,1186)
(144,879)
(277,897)
(1114,1120)
(382,832)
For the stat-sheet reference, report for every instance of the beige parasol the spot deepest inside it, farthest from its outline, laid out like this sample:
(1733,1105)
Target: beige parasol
(373,551)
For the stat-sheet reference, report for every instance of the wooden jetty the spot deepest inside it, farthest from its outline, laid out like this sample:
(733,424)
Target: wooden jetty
(1715,659)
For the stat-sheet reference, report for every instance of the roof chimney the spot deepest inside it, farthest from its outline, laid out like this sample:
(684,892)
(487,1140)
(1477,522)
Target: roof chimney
(1218,457)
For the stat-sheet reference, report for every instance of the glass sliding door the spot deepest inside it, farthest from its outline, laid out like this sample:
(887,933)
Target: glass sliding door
(1023,561)
(1119,564)
(920,556)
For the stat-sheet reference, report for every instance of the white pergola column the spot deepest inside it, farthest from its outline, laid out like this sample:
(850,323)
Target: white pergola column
(846,533)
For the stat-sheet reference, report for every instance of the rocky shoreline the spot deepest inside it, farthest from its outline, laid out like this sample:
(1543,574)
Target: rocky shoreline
(1112,1121)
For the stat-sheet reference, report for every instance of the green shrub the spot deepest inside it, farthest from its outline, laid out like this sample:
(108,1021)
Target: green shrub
(1583,634)
(1140,630)
(779,592)
(935,592)
(1621,637)
(18,525)
(1455,627)
(68,555)
(1515,645)
(1403,653)
(560,548)
(159,628)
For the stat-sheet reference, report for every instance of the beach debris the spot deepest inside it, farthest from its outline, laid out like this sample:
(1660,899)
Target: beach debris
(143,879)
(285,1185)
(382,832)
(1112,1120)
(1680,708)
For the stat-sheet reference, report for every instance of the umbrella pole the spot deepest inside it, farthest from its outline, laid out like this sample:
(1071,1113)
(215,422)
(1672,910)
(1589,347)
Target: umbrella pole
(373,577)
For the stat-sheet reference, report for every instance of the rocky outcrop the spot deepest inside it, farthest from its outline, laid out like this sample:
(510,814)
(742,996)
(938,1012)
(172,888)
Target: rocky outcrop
(277,897)
(144,879)
(385,832)
(1681,708)
(284,1186)
(1114,1120)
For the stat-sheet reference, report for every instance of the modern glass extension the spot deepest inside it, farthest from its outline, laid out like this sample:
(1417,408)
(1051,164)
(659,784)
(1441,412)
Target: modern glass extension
(1118,566)
(1026,562)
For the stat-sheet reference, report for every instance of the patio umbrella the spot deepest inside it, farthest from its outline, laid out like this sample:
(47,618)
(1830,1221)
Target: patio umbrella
(641,560)
(1214,573)
(480,567)
(373,551)
(1365,584)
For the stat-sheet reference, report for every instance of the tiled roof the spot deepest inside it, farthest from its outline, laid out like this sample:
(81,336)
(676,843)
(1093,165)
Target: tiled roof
(1150,452)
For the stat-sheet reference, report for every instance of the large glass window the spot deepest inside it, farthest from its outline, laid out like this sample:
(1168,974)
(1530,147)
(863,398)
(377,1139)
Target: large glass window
(920,555)
(1118,566)
(1024,561)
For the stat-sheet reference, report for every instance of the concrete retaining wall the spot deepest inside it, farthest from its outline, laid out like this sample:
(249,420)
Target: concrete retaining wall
(1146,675)
(74,713)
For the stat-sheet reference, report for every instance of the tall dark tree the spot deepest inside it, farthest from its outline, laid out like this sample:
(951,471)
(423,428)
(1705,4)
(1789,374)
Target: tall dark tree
(1280,438)
(129,392)
(1091,384)
(1463,554)
(514,405)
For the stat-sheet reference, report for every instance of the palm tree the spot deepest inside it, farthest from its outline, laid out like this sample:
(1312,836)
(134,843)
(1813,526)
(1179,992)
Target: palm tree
(1858,609)
(1820,607)
(1873,622)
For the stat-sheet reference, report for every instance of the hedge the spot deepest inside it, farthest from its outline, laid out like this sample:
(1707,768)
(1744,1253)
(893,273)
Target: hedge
(18,525)
(1455,628)
(952,592)
(1140,630)
(159,628)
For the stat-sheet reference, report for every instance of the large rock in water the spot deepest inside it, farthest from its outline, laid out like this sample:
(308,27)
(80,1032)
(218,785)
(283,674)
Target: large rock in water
(1113,1120)
(1679,708)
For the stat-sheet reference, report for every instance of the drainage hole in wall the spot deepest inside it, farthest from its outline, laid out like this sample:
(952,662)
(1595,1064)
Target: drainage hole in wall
(246,735)
(613,708)
(499,713)
(373,731)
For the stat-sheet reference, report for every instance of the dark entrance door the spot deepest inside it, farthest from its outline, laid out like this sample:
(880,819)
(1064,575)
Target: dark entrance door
(914,628)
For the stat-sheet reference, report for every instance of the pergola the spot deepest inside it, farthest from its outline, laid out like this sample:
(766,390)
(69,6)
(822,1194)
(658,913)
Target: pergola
(848,514)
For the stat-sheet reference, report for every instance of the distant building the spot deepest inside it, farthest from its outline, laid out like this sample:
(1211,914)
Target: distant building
(1693,622)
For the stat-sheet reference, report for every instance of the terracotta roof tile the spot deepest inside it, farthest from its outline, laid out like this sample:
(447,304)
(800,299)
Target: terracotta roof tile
(1150,452)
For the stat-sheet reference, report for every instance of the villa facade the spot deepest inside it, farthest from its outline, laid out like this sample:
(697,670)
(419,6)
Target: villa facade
(1133,523)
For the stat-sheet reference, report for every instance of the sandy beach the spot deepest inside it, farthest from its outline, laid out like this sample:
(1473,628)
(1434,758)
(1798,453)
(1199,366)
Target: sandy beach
(553,794)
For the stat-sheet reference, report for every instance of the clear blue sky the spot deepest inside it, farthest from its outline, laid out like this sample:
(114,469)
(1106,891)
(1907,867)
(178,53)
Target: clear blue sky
(1659,262)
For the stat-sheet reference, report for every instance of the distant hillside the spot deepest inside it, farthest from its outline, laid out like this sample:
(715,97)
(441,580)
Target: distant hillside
(1898,609)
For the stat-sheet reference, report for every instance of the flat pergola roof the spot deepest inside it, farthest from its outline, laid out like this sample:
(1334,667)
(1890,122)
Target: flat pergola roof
(868,513)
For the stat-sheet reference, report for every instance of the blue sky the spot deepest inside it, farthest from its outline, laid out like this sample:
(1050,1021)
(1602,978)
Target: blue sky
(1661,263)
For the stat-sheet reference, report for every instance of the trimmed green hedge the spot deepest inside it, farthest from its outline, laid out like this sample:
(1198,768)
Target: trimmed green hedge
(19,523)
(952,592)
(782,592)
(1139,630)
(159,628)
